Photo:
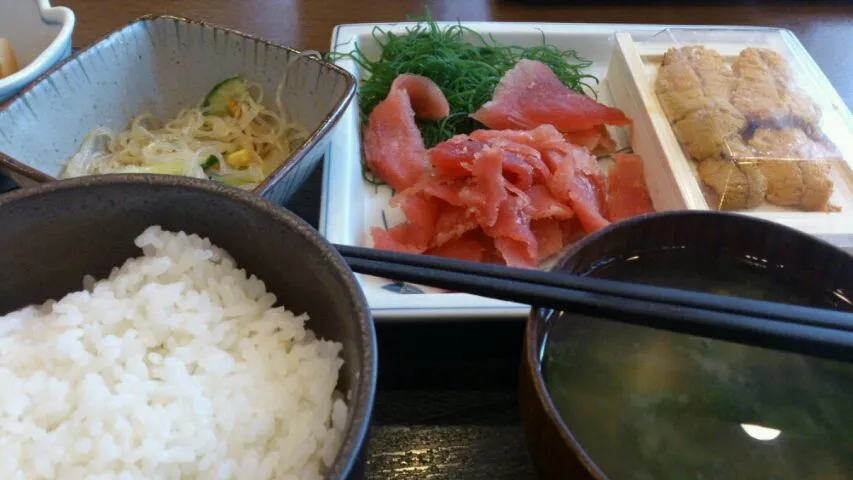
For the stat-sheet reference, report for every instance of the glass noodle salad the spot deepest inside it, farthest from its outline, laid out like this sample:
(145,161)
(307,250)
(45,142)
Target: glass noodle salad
(231,138)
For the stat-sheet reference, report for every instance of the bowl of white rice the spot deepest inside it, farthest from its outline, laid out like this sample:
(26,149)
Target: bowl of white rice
(159,327)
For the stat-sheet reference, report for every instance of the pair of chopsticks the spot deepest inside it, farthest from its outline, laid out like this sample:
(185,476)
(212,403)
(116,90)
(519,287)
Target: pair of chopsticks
(804,330)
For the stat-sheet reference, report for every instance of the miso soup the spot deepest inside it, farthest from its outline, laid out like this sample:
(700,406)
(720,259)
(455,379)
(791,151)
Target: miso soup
(652,405)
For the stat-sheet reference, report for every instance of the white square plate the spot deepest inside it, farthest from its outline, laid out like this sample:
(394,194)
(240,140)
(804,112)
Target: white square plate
(350,206)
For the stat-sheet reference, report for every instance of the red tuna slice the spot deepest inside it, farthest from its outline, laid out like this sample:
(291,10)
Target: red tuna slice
(517,171)
(422,213)
(572,230)
(393,147)
(588,139)
(397,239)
(491,253)
(583,198)
(606,144)
(582,191)
(421,210)
(528,154)
(556,154)
(544,205)
(521,196)
(452,223)
(412,235)
(453,157)
(486,192)
(627,194)
(540,137)
(515,253)
(587,166)
(466,247)
(545,139)
(549,237)
(428,101)
(447,191)
(597,140)
(530,95)
(513,222)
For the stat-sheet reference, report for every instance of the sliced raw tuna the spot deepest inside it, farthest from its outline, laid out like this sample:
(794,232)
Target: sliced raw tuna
(453,223)
(597,140)
(587,167)
(528,154)
(486,193)
(549,236)
(530,95)
(545,139)
(515,253)
(513,222)
(516,170)
(463,248)
(541,137)
(520,196)
(544,205)
(491,253)
(511,197)
(413,235)
(572,230)
(393,147)
(448,191)
(627,194)
(576,183)
(585,203)
(560,183)
(397,239)
(453,157)
(421,210)
(606,144)
(585,138)
(427,99)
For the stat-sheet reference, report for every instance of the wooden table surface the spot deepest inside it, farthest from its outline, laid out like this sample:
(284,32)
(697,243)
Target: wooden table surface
(455,415)
(824,27)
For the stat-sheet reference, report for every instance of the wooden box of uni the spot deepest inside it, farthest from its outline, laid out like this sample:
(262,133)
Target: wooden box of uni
(740,119)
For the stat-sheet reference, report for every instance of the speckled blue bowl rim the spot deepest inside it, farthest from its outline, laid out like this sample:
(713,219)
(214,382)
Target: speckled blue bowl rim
(360,406)
(328,123)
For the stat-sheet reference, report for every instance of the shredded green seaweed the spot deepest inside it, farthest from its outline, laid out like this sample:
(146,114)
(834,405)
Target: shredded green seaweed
(466,66)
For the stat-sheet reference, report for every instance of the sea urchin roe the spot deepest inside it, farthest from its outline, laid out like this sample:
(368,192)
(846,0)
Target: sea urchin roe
(753,133)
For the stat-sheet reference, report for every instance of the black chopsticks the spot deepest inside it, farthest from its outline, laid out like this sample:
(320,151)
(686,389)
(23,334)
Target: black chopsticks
(811,331)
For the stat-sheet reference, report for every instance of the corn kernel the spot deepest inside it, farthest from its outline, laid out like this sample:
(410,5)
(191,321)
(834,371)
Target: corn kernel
(239,159)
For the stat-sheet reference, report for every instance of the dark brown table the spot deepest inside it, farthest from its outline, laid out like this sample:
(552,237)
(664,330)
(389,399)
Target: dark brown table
(446,407)
(825,27)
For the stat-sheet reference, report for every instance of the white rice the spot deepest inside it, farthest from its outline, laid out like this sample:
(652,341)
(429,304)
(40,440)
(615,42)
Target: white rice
(176,366)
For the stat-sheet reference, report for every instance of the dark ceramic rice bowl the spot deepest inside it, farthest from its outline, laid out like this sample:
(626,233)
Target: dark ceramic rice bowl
(54,234)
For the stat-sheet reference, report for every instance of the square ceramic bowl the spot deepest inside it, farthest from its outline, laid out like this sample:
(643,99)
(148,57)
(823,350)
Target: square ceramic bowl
(40,36)
(159,65)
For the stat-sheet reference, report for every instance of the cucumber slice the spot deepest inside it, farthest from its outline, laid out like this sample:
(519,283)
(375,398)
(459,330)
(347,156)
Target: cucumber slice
(217,102)
(211,161)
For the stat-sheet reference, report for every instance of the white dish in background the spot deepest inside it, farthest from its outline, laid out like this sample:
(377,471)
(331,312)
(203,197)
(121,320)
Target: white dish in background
(40,36)
(634,67)
(350,206)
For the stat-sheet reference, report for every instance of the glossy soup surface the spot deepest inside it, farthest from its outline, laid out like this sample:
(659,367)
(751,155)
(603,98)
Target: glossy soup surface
(654,405)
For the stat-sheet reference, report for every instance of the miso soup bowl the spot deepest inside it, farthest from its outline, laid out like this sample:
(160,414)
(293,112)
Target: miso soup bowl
(556,449)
